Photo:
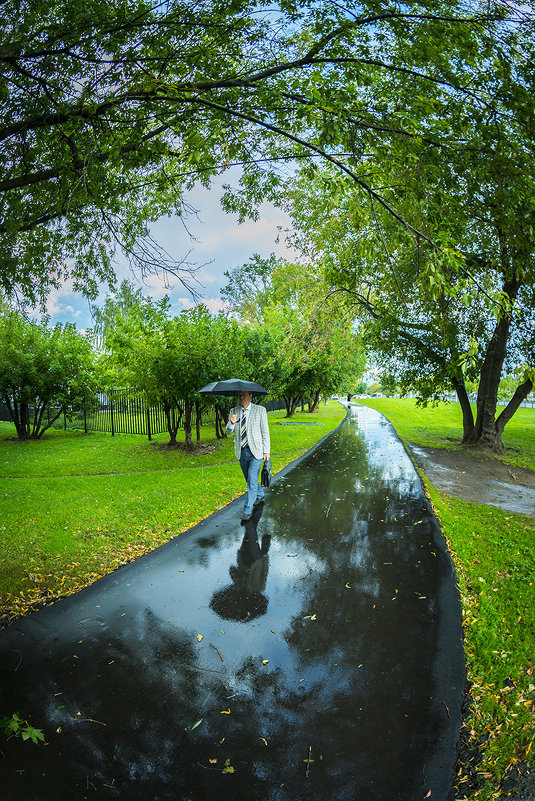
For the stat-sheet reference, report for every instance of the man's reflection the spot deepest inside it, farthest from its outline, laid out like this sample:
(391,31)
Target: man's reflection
(243,600)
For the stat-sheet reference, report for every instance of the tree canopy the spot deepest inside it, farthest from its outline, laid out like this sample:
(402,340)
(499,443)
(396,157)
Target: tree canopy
(111,111)
(44,371)
(456,301)
(315,350)
(170,357)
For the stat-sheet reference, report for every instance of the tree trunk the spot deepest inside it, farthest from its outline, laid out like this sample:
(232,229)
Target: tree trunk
(39,434)
(198,420)
(520,395)
(485,433)
(14,414)
(466,408)
(25,420)
(313,406)
(170,427)
(291,405)
(220,423)
(188,409)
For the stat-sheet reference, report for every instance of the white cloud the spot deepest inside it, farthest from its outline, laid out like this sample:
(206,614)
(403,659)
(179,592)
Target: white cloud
(219,244)
(187,303)
(158,286)
(214,305)
(57,307)
(70,310)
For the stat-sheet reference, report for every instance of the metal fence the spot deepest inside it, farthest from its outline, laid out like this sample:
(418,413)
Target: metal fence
(123,412)
(126,412)
(528,403)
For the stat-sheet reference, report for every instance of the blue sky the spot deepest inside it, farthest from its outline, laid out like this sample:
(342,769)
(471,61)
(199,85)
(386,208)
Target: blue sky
(220,243)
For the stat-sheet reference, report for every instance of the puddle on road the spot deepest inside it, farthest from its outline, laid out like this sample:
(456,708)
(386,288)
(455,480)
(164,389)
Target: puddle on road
(315,653)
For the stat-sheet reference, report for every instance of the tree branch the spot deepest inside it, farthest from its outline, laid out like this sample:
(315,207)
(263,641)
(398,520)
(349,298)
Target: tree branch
(315,149)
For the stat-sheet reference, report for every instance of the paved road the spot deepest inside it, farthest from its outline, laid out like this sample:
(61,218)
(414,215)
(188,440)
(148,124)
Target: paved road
(314,654)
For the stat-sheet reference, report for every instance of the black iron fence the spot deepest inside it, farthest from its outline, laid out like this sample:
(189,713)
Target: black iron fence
(126,412)
(123,412)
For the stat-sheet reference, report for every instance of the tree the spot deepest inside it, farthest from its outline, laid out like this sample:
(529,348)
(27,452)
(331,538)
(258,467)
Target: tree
(170,358)
(315,351)
(44,372)
(113,110)
(455,304)
(115,308)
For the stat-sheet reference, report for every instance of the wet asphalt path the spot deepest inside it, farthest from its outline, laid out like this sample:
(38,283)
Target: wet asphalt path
(319,647)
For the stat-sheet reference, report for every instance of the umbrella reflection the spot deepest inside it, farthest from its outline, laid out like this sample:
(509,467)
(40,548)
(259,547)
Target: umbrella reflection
(243,600)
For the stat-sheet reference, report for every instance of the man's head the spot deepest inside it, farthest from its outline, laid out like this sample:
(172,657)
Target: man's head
(245,398)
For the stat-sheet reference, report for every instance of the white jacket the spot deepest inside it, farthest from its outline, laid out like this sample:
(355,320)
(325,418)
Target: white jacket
(257,430)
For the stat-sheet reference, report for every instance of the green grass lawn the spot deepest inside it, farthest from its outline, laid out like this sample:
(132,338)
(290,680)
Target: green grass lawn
(442,427)
(494,553)
(74,506)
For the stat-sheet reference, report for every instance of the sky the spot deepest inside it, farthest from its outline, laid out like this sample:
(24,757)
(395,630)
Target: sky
(220,244)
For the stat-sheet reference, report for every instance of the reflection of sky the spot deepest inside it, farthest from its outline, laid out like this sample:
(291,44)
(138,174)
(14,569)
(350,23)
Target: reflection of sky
(385,451)
(342,661)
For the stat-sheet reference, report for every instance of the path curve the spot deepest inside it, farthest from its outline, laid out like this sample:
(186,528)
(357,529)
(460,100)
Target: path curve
(314,654)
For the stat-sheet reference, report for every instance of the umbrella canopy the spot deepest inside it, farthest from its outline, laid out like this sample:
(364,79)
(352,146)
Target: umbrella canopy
(231,603)
(232,386)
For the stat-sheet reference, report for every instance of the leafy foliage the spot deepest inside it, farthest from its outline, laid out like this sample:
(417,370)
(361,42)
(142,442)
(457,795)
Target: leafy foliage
(171,358)
(453,301)
(112,111)
(315,351)
(43,369)
(15,726)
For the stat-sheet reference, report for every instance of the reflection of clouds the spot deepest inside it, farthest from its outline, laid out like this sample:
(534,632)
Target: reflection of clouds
(292,558)
(360,680)
(385,453)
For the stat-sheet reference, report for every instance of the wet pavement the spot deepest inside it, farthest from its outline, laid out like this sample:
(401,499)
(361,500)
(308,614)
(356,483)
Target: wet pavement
(477,479)
(314,654)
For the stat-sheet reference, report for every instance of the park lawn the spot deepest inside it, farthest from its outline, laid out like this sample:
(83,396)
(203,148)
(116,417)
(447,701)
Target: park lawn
(493,551)
(74,507)
(442,427)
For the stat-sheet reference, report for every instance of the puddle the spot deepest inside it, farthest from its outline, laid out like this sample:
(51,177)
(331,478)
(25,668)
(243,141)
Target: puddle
(316,652)
(470,478)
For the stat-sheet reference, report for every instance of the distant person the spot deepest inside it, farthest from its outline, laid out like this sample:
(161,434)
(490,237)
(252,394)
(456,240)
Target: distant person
(251,446)
(349,397)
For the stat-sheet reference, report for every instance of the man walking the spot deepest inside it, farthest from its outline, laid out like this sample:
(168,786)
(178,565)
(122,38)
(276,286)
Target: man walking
(251,446)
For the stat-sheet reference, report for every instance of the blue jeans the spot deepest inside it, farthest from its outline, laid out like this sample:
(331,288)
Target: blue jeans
(251,468)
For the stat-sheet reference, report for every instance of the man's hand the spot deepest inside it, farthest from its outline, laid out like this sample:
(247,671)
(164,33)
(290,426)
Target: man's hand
(266,457)
(233,418)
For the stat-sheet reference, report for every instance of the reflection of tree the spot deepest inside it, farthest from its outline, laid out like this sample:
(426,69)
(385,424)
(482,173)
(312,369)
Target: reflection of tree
(117,708)
(357,683)
(372,650)
(243,600)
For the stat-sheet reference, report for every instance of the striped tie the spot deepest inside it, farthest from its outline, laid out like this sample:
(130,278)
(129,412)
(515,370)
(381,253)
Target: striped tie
(243,431)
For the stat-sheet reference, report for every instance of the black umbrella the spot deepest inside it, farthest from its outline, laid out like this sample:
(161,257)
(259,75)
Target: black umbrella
(232,386)
(231,603)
